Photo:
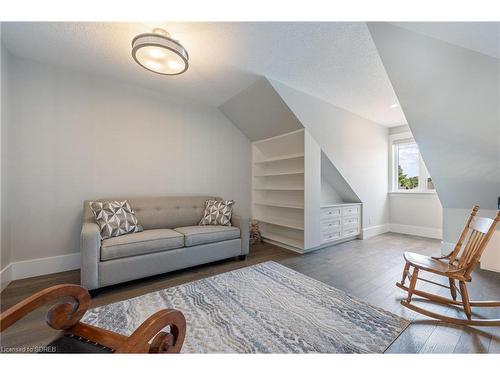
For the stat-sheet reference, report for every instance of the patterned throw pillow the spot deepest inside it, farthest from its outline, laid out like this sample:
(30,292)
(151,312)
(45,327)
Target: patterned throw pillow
(217,212)
(115,218)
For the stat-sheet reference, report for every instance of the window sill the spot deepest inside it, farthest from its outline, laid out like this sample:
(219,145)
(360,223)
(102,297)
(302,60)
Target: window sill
(413,194)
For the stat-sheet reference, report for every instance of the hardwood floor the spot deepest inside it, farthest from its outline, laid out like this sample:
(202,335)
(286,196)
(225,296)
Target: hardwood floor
(366,269)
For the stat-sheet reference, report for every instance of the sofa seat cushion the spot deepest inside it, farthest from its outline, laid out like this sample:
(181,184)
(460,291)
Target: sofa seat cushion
(198,235)
(148,241)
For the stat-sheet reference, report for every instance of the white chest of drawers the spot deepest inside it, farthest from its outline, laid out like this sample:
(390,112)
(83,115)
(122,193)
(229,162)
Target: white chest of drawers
(340,221)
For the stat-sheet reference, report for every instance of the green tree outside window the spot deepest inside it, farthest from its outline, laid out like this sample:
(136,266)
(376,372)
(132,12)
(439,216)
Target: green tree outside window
(406,182)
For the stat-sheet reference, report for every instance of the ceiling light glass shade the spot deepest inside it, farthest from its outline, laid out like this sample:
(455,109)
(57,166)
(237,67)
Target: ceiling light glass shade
(160,54)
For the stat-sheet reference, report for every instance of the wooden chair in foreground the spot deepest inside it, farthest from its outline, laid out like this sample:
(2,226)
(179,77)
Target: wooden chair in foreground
(457,267)
(78,337)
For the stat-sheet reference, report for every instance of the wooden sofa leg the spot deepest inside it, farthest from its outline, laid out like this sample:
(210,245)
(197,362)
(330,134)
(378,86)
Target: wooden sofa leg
(242,257)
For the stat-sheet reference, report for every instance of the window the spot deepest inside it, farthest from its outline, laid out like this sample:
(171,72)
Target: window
(408,159)
(409,173)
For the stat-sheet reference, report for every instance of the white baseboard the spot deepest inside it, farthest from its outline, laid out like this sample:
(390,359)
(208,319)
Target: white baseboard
(375,230)
(280,244)
(489,268)
(5,277)
(417,231)
(44,266)
(404,229)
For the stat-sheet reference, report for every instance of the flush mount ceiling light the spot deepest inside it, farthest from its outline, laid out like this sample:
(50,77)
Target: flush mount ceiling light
(159,53)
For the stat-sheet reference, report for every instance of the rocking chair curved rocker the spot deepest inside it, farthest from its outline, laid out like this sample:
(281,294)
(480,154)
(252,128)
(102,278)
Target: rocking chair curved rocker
(456,266)
(78,337)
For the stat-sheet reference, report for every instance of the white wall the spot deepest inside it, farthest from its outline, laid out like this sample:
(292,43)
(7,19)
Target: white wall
(416,214)
(356,146)
(3,259)
(328,194)
(4,254)
(334,187)
(73,136)
(5,269)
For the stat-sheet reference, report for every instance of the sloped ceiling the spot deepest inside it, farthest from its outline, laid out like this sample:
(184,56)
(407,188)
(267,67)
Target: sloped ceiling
(451,98)
(355,146)
(259,112)
(481,37)
(335,61)
(262,111)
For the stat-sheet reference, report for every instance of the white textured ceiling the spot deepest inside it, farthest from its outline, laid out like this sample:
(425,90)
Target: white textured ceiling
(336,61)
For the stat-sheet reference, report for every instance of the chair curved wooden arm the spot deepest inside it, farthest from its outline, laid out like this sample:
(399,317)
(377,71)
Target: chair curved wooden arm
(65,316)
(163,342)
(458,265)
(448,256)
(60,316)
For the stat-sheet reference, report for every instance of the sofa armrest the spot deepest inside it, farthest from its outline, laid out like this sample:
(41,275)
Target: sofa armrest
(244,225)
(90,248)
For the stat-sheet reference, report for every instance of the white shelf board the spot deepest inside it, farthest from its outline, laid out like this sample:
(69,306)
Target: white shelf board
(279,158)
(278,174)
(280,223)
(328,205)
(282,205)
(283,239)
(278,137)
(280,189)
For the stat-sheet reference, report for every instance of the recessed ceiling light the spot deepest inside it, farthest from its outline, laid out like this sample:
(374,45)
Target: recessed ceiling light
(395,105)
(159,53)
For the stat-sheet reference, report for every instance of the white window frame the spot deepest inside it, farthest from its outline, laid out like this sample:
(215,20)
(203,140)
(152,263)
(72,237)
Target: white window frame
(394,141)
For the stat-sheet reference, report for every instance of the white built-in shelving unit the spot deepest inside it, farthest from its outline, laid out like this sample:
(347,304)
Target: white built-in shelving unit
(287,192)
(278,188)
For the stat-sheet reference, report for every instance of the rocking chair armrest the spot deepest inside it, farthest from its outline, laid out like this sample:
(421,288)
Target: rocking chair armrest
(60,316)
(443,256)
(461,274)
(138,341)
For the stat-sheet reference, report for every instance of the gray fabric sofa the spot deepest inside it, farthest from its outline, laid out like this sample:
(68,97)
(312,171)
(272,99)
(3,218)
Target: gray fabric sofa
(171,240)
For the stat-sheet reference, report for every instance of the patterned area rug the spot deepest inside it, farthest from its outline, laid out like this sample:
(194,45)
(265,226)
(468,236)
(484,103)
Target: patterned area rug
(265,308)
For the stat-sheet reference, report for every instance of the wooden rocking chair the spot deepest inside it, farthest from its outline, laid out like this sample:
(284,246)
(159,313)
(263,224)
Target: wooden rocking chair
(456,266)
(78,337)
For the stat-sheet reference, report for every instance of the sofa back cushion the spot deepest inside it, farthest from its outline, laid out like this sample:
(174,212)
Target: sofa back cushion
(161,212)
